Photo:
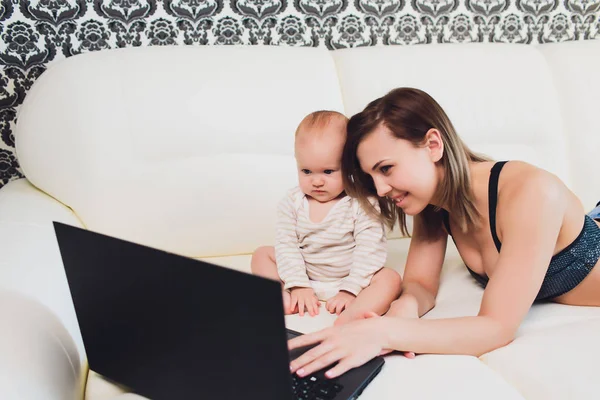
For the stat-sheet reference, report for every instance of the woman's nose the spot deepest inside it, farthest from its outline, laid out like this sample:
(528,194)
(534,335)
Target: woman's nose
(382,188)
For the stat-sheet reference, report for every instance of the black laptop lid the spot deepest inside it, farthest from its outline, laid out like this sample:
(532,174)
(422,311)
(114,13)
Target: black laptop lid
(170,327)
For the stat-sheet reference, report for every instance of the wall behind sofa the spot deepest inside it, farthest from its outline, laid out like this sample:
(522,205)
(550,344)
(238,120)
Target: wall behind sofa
(35,33)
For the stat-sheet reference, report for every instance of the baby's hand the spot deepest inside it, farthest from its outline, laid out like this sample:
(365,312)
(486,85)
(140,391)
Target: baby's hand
(339,302)
(305,297)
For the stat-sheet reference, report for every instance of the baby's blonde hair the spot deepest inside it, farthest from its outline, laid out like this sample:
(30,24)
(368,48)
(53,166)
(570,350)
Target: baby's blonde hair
(319,119)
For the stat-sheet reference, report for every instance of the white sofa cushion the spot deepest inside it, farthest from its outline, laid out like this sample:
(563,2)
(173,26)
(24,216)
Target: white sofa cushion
(39,357)
(172,147)
(556,363)
(30,261)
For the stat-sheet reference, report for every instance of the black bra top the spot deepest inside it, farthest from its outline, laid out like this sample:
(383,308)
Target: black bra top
(576,259)
(493,202)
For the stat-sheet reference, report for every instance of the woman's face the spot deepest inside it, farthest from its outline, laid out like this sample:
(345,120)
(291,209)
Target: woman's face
(401,171)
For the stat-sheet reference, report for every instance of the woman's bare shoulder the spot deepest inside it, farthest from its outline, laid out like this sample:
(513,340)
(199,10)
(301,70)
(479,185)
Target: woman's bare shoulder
(519,175)
(523,181)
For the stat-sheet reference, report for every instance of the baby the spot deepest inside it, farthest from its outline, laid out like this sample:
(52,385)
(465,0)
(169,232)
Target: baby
(327,247)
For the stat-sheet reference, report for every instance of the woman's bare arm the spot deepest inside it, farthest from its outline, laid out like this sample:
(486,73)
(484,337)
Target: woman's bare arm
(421,279)
(530,217)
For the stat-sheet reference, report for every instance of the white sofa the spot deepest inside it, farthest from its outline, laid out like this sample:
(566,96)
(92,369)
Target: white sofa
(189,149)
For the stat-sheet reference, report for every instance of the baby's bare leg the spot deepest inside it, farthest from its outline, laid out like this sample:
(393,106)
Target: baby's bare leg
(263,264)
(385,287)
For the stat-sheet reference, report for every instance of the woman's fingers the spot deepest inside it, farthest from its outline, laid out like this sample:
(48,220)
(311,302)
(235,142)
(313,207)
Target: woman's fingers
(321,362)
(308,339)
(407,354)
(343,366)
(308,357)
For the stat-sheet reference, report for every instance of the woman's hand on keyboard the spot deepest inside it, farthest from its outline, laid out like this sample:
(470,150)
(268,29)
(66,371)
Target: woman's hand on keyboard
(352,344)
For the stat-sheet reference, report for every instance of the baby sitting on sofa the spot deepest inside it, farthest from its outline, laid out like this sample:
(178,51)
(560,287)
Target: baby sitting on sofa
(327,247)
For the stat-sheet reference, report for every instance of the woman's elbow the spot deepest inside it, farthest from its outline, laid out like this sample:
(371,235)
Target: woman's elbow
(499,335)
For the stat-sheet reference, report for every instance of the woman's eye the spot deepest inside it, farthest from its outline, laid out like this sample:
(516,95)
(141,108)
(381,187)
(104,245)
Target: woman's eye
(329,171)
(306,171)
(385,169)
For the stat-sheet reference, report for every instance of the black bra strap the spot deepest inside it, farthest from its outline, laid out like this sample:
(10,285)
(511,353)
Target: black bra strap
(493,199)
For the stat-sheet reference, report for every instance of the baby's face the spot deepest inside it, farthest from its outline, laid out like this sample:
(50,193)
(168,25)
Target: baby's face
(319,160)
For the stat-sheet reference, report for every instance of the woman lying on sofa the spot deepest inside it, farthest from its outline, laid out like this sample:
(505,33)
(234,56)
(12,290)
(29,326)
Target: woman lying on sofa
(521,232)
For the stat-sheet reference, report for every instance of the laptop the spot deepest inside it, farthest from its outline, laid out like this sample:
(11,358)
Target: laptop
(171,327)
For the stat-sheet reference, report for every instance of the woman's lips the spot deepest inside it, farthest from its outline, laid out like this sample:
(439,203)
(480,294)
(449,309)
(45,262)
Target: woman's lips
(400,198)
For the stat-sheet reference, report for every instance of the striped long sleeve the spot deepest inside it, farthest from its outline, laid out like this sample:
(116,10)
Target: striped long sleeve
(289,259)
(347,245)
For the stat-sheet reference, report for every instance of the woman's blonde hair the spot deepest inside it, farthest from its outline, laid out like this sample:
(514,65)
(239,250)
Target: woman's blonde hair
(409,114)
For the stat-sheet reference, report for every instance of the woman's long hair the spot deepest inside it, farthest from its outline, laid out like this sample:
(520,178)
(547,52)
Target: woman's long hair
(409,114)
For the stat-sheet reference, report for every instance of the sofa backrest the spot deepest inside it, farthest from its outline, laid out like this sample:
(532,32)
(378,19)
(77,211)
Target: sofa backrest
(183,148)
(190,149)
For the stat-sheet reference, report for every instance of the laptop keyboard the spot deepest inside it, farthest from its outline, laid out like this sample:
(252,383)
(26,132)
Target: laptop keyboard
(314,388)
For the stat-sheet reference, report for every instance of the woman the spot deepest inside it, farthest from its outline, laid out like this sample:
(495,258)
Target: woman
(521,232)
